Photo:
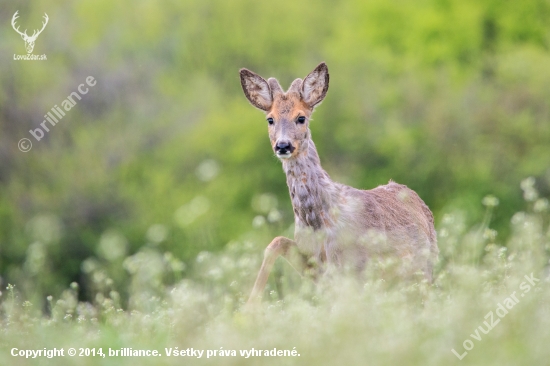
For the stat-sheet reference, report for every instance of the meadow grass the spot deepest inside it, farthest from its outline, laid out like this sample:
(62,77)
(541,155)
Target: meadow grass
(340,320)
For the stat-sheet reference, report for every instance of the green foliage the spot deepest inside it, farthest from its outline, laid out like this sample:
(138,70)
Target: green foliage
(339,320)
(165,154)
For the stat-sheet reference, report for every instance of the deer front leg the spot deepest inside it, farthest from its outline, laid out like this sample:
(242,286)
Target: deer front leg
(280,246)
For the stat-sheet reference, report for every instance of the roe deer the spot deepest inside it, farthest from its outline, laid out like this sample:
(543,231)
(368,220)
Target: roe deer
(334,224)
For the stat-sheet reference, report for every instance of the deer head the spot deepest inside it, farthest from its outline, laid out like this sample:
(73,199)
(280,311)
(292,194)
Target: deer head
(29,40)
(287,113)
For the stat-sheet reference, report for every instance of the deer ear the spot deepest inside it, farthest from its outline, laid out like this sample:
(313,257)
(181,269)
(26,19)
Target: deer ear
(315,85)
(256,90)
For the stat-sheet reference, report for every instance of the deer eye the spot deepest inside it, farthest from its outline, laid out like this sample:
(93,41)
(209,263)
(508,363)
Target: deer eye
(301,119)
(270,120)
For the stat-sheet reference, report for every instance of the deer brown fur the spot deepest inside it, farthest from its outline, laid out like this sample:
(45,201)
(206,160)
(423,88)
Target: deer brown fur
(335,225)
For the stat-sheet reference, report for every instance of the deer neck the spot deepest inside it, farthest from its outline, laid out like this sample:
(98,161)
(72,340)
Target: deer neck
(312,192)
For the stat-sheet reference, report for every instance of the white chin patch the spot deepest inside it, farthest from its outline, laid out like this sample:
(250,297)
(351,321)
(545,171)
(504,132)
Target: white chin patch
(283,156)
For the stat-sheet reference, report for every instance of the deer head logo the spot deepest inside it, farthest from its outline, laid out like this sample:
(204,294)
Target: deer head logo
(29,40)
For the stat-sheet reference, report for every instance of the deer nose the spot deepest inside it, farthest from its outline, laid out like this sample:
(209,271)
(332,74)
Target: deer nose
(284,147)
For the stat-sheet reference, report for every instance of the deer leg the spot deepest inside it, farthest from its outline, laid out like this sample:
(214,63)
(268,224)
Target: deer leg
(280,246)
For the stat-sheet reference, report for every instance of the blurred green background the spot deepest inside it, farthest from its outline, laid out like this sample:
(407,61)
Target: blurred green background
(450,97)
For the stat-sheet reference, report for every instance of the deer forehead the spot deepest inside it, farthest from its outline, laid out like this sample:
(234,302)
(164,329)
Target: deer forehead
(288,107)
